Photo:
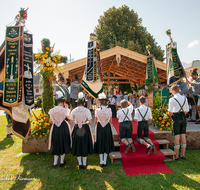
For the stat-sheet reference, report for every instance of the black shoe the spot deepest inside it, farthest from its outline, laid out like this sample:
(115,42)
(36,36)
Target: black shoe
(55,166)
(132,147)
(84,166)
(191,120)
(177,158)
(149,149)
(8,136)
(198,122)
(154,149)
(61,165)
(127,148)
(80,167)
(105,165)
(182,157)
(102,165)
(11,134)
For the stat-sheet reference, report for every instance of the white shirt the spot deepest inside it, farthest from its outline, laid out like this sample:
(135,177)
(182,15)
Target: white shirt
(143,110)
(121,116)
(174,106)
(112,101)
(82,114)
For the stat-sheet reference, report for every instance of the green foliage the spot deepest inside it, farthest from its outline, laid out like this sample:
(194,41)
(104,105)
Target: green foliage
(122,27)
(38,102)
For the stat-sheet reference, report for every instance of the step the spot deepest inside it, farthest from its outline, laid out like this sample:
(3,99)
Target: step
(169,153)
(116,144)
(163,142)
(115,155)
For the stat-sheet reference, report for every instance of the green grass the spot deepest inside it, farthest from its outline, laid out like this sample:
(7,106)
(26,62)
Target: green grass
(186,173)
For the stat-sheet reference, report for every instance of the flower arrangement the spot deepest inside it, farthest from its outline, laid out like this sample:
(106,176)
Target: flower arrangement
(41,127)
(168,32)
(148,47)
(23,13)
(161,118)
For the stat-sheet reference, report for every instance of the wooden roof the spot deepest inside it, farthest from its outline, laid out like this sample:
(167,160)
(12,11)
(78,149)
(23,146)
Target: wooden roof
(118,63)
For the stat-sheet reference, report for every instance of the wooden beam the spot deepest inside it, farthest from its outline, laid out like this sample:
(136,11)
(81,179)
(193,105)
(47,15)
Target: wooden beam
(119,78)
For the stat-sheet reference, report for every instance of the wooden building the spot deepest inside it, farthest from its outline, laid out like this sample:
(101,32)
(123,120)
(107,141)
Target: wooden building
(119,65)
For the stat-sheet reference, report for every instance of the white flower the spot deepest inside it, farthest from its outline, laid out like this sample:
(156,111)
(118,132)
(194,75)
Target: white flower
(165,116)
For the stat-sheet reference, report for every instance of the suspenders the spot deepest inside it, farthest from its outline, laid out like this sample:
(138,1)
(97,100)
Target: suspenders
(181,107)
(143,117)
(126,115)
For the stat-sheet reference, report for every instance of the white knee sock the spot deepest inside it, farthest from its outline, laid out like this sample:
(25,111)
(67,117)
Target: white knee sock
(8,130)
(62,157)
(105,158)
(79,161)
(84,160)
(194,114)
(55,160)
(101,158)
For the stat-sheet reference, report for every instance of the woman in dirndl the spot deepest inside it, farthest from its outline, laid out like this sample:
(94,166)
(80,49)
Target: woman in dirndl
(60,134)
(82,142)
(104,143)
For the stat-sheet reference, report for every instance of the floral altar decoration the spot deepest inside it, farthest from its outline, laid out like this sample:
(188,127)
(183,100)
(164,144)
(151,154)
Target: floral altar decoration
(161,118)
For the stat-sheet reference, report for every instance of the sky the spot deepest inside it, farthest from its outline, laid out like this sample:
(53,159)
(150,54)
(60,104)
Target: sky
(68,23)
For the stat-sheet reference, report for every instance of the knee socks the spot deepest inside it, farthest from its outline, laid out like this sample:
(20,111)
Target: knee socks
(101,158)
(84,160)
(62,157)
(55,160)
(105,158)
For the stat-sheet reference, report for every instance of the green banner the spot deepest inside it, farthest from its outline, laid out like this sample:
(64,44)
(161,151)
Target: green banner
(95,65)
(12,60)
(175,61)
(150,71)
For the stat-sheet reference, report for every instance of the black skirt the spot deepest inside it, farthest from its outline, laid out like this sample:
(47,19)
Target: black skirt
(82,144)
(113,109)
(104,139)
(60,140)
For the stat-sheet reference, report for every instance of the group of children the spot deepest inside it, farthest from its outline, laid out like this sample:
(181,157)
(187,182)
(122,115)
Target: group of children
(80,141)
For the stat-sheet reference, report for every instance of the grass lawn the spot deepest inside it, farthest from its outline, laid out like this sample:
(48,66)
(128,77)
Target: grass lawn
(39,166)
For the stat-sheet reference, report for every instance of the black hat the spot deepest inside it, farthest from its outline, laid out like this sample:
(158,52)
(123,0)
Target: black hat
(81,98)
(102,96)
(61,79)
(76,78)
(114,96)
(59,96)
(194,72)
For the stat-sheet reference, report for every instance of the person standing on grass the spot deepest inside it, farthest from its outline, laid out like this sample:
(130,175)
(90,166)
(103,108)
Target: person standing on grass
(82,142)
(125,125)
(9,125)
(143,116)
(60,135)
(178,107)
(104,143)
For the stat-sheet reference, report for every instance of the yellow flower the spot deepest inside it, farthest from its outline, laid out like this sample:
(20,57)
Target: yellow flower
(40,136)
(40,128)
(36,133)
(43,133)
(48,130)
(49,61)
(52,66)
(47,52)
(162,125)
(41,115)
(37,56)
(160,129)
(160,118)
(156,108)
(59,57)
(47,64)
(167,113)
(42,63)
(47,48)
(39,124)
(168,123)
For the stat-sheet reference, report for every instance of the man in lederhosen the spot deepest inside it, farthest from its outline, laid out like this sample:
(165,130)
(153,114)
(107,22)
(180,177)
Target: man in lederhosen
(143,116)
(178,107)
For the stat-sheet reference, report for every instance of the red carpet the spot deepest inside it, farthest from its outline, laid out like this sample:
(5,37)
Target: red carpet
(139,162)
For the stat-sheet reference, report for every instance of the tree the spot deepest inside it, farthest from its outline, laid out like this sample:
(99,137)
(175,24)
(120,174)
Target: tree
(122,27)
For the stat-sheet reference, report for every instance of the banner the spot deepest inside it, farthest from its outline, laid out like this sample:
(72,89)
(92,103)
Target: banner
(99,62)
(175,70)
(93,88)
(28,87)
(12,64)
(90,62)
(151,73)
(92,79)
